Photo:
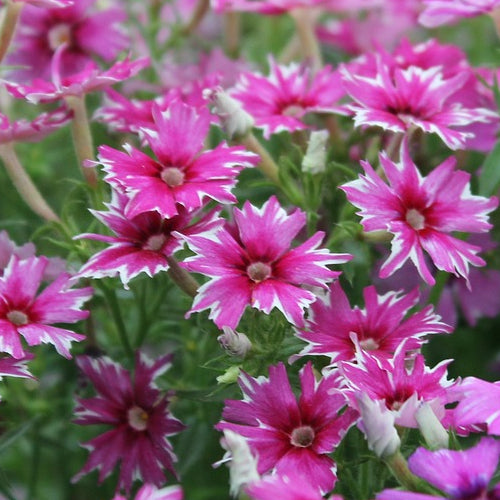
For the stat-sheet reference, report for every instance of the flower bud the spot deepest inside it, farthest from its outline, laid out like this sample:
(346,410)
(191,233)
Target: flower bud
(314,161)
(434,433)
(229,376)
(235,343)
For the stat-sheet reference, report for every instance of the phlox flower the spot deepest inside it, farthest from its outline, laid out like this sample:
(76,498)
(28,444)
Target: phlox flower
(44,3)
(438,12)
(87,32)
(183,174)
(421,212)
(279,101)
(401,383)
(23,312)
(150,492)
(335,329)
(399,99)
(458,474)
(139,416)
(12,367)
(252,264)
(287,435)
(142,243)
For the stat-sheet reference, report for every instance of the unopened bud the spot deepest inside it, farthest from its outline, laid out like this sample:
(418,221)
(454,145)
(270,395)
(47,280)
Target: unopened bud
(314,161)
(235,121)
(432,429)
(230,376)
(378,426)
(235,343)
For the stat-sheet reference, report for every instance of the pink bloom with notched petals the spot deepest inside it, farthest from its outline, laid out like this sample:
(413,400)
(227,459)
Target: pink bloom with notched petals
(183,174)
(253,264)
(279,101)
(379,328)
(150,492)
(399,99)
(139,416)
(421,212)
(12,367)
(86,31)
(439,12)
(44,3)
(293,487)
(401,383)
(287,435)
(142,243)
(23,312)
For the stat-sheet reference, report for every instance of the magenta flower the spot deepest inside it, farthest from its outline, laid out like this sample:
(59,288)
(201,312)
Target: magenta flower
(252,264)
(150,492)
(142,243)
(271,7)
(288,435)
(293,487)
(402,383)
(458,474)
(183,174)
(421,212)
(87,32)
(336,330)
(44,3)
(12,367)
(139,416)
(399,99)
(24,313)
(280,101)
(438,12)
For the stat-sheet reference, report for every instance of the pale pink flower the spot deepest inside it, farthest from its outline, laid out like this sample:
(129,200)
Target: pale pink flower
(280,101)
(139,416)
(44,3)
(421,212)
(253,264)
(400,99)
(87,32)
(150,492)
(292,487)
(287,435)
(183,174)
(23,312)
(438,12)
(336,330)
(402,384)
(142,243)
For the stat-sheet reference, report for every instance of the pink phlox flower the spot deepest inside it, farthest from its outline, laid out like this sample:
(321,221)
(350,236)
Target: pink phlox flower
(439,12)
(289,435)
(150,492)
(142,243)
(402,383)
(379,328)
(421,212)
(252,264)
(400,99)
(23,312)
(12,367)
(293,487)
(90,79)
(45,3)
(183,174)
(458,474)
(139,416)
(87,31)
(32,131)
(280,101)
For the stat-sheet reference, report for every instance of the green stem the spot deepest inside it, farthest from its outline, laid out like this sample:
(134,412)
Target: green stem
(399,468)
(12,13)
(232,33)
(267,165)
(182,278)
(200,11)
(441,280)
(305,22)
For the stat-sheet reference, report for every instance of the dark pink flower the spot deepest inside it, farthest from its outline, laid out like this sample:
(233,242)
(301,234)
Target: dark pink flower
(142,243)
(399,99)
(12,367)
(45,3)
(421,212)
(293,487)
(150,492)
(183,174)
(336,330)
(23,312)
(438,12)
(139,416)
(253,264)
(279,101)
(87,32)
(288,435)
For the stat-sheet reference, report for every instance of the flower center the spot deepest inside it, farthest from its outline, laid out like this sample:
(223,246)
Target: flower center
(258,271)
(17,318)
(137,418)
(293,110)
(302,436)
(59,34)
(369,345)
(172,176)
(155,243)
(415,219)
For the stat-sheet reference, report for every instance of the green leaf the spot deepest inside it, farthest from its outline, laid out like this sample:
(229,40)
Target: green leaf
(13,435)
(490,174)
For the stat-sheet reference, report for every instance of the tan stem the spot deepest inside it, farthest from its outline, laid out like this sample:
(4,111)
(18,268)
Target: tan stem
(200,11)
(232,33)
(24,185)
(267,165)
(495,15)
(82,137)
(291,50)
(305,22)
(12,13)
(182,278)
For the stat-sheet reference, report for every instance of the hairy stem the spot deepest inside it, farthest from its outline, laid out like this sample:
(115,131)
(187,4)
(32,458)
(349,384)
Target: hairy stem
(182,278)
(267,165)
(305,22)
(12,13)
